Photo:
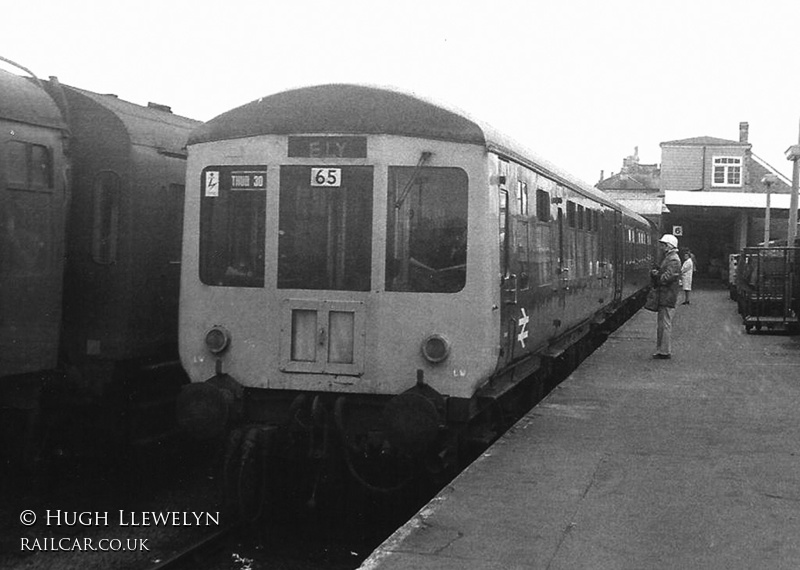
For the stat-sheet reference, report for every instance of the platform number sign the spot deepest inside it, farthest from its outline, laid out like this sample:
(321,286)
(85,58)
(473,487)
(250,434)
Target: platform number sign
(330,177)
(677,231)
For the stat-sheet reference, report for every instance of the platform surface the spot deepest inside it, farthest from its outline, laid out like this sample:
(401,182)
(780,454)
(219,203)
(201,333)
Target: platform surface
(635,463)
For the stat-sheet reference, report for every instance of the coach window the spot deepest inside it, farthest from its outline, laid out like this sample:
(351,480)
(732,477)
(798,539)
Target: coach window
(503,232)
(105,231)
(542,205)
(325,228)
(571,209)
(426,229)
(41,167)
(232,225)
(30,166)
(522,196)
(25,245)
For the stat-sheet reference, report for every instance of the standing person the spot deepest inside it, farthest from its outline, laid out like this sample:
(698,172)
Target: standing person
(666,278)
(687,270)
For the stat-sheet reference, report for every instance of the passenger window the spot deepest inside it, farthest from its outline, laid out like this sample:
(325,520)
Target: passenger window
(522,196)
(571,214)
(30,166)
(325,233)
(232,225)
(426,230)
(542,205)
(40,173)
(25,234)
(17,154)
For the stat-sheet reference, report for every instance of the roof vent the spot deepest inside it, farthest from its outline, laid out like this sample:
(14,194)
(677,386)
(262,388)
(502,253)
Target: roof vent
(159,107)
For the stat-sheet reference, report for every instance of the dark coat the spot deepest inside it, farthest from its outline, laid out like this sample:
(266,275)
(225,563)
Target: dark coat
(668,279)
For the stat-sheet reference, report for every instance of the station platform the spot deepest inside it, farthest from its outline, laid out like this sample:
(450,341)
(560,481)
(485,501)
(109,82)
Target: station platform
(635,463)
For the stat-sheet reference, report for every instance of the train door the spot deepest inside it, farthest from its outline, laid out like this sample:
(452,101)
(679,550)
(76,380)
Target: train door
(517,281)
(508,280)
(619,254)
(32,209)
(562,265)
(325,244)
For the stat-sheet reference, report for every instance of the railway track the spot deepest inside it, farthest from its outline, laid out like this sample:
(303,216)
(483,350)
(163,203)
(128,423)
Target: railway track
(193,554)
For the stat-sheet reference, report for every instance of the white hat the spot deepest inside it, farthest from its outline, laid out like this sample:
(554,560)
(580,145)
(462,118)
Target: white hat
(670,240)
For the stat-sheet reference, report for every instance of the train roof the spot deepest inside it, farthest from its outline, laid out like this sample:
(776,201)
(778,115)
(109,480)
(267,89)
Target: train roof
(154,125)
(26,102)
(351,109)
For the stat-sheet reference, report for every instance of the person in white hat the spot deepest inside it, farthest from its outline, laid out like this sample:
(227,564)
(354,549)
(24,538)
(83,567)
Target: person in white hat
(667,279)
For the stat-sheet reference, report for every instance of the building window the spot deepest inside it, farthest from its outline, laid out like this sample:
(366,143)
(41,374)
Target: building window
(727,171)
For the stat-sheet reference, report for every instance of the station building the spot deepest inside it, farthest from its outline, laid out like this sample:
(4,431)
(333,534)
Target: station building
(710,192)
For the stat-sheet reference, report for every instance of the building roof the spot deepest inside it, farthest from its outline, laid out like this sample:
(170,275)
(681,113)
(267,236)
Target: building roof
(642,205)
(761,167)
(644,178)
(704,141)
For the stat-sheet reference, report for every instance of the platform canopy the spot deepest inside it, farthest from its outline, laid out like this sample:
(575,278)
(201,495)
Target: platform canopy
(726,199)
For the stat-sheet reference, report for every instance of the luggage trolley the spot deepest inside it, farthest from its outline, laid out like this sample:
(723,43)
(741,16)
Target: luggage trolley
(768,289)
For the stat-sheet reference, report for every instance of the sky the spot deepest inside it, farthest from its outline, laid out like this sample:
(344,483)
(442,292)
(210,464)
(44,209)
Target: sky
(582,83)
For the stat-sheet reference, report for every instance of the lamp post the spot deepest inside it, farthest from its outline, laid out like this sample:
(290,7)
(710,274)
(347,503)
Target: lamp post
(768,181)
(793,154)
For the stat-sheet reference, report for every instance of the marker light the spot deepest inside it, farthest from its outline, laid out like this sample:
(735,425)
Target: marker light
(435,348)
(217,339)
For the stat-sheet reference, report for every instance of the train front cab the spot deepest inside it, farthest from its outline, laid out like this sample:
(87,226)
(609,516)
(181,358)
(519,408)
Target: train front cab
(348,278)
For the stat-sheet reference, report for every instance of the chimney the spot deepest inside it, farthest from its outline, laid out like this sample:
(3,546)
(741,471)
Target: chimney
(743,129)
